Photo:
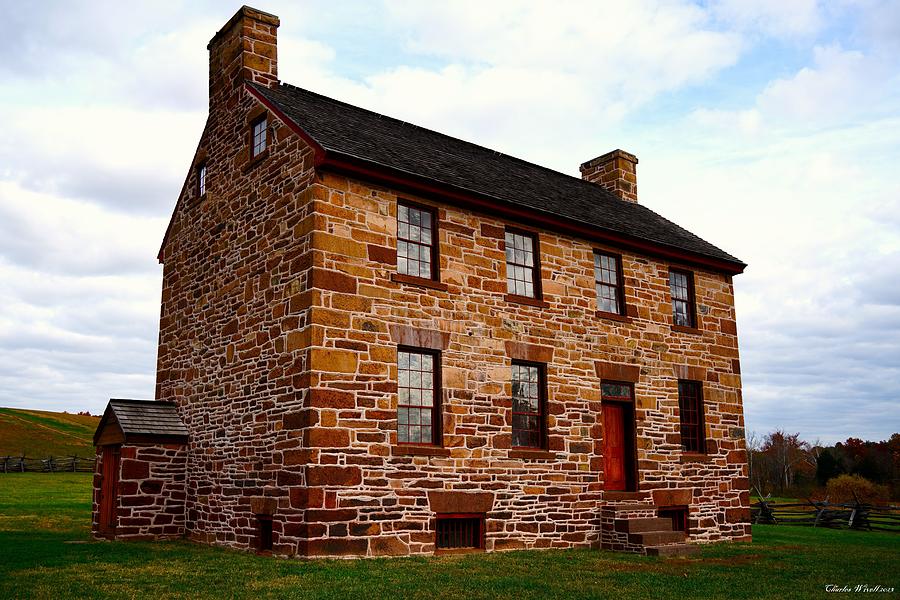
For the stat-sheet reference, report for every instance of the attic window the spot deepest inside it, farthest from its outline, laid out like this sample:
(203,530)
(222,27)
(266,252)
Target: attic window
(201,180)
(260,133)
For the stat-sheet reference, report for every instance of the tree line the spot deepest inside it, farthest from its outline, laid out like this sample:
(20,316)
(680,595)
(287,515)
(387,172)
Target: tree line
(782,464)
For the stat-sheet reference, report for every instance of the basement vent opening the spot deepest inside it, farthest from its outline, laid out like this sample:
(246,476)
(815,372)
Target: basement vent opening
(460,532)
(264,535)
(679,516)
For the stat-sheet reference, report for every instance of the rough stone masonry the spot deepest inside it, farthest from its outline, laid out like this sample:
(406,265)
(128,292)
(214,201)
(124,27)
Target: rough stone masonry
(282,313)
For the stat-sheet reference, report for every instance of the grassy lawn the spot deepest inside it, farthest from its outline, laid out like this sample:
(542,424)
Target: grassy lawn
(41,515)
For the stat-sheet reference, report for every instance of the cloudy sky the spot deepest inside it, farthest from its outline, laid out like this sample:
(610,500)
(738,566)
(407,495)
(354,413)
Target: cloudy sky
(769,127)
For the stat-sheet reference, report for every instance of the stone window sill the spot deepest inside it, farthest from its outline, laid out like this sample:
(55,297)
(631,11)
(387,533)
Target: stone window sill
(197,201)
(532,454)
(526,300)
(613,316)
(689,457)
(411,450)
(419,281)
(256,160)
(683,329)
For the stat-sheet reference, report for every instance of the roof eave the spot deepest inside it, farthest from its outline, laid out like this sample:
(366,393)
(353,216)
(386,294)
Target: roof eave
(411,182)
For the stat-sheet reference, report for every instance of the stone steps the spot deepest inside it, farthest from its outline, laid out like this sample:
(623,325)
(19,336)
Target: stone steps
(632,525)
(642,525)
(656,538)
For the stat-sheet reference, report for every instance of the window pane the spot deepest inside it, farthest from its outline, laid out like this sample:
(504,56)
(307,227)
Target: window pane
(259,137)
(415,241)
(615,390)
(607,277)
(527,412)
(680,289)
(415,397)
(521,265)
(690,407)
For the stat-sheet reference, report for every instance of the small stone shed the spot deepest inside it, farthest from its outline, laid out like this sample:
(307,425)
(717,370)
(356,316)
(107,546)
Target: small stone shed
(139,481)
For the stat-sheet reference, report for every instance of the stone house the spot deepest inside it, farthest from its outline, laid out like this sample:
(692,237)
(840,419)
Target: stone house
(376,339)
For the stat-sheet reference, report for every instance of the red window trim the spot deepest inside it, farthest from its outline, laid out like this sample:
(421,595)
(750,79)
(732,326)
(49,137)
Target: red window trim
(694,443)
(621,309)
(542,407)
(435,239)
(691,300)
(526,453)
(419,449)
(536,269)
(526,300)
(420,281)
(436,408)
(613,317)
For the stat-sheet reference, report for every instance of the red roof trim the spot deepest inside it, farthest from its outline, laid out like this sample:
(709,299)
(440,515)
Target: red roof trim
(420,185)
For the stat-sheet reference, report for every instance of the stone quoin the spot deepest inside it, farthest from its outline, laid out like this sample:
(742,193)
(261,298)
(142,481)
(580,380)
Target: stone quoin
(379,340)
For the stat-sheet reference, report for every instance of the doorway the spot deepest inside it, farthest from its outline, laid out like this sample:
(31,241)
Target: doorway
(619,456)
(108,486)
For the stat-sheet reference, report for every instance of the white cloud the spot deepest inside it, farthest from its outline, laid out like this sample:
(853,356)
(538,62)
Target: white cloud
(529,79)
(840,84)
(129,159)
(799,180)
(778,18)
(52,234)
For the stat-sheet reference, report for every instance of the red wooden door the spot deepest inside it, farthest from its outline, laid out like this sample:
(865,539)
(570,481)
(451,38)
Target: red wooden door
(614,446)
(108,489)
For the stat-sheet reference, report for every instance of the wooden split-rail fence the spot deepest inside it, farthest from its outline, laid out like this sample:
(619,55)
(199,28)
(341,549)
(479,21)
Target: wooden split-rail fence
(52,464)
(856,515)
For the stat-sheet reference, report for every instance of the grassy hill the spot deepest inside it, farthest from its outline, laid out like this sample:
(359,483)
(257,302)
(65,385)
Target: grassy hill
(39,434)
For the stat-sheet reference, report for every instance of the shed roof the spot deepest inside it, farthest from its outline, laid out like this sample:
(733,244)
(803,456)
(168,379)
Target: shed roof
(143,419)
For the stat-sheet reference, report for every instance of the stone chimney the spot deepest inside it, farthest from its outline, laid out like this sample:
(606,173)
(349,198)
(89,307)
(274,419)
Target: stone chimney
(243,50)
(616,171)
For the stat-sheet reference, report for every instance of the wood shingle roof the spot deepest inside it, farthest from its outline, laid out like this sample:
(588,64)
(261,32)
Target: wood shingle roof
(143,419)
(343,130)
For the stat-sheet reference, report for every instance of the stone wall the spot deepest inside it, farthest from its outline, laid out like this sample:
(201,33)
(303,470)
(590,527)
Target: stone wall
(360,482)
(234,301)
(150,492)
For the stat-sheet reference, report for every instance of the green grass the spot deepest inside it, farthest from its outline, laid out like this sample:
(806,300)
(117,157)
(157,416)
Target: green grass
(39,434)
(40,514)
